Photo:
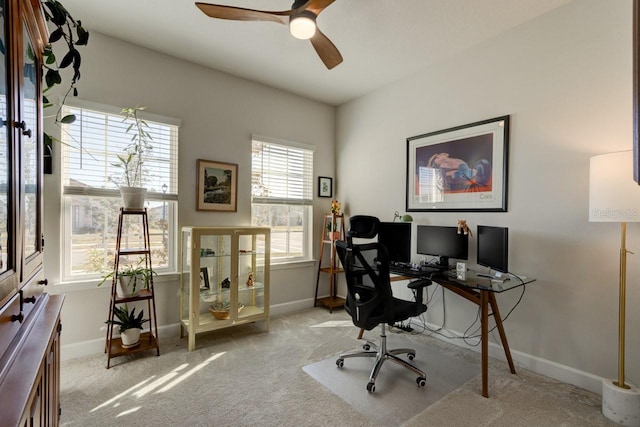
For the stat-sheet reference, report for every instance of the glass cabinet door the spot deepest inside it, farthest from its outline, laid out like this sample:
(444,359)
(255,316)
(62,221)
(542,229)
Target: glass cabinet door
(29,132)
(251,274)
(215,275)
(8,279)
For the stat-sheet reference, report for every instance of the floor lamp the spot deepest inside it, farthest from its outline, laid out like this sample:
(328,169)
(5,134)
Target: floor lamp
(615,197)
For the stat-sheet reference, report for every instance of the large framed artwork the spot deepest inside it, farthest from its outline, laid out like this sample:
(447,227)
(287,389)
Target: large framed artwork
(217,186)
(463,168)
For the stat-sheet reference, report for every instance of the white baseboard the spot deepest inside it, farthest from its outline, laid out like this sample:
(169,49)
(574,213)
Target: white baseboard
(562,373)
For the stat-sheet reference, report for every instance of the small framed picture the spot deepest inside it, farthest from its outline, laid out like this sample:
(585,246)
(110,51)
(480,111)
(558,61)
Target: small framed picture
(325,186)
(217,186)
(204,278)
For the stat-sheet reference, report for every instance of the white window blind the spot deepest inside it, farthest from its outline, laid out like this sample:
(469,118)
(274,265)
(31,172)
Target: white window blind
(281,174)
(282,196)
(93,142)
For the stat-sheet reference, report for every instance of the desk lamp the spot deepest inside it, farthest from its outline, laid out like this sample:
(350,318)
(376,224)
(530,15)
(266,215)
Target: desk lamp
(615,197)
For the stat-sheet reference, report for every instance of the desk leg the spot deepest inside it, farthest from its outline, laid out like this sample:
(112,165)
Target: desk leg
(484,319)
(503,337)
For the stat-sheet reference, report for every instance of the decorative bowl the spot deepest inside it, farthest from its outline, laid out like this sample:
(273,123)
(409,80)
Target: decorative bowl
(222,313)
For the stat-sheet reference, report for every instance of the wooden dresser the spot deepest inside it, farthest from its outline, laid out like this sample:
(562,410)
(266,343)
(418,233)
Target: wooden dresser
(30,362)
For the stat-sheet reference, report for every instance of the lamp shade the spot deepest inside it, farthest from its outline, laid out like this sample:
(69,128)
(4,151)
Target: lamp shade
(613,194)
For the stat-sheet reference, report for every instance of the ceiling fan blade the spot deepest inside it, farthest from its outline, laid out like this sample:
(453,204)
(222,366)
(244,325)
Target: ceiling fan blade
(317,6)
(326,50)
(242,14)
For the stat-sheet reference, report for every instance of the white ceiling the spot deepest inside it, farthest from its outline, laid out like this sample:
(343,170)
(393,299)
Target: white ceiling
(381,40)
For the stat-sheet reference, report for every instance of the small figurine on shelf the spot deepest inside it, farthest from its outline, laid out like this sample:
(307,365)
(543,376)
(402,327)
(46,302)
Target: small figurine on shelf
(226,283)
(250,280)
(464,228)
(335,207)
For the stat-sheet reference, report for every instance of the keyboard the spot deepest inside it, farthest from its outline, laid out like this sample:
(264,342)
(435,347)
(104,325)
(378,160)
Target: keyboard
(408,271)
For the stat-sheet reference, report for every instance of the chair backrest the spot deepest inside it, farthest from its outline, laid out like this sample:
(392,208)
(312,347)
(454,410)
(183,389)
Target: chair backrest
(366,267)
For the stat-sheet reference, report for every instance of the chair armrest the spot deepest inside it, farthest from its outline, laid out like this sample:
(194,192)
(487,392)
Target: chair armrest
(419,284)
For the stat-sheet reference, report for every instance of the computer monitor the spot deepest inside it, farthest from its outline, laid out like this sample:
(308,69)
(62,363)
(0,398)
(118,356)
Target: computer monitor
(442,242)
(493,248)
(396,237)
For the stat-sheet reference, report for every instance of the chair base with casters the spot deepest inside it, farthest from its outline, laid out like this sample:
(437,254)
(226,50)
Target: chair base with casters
(381,354)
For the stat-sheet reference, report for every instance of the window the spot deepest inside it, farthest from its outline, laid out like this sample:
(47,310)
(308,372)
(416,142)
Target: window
(282,196)
(91,199)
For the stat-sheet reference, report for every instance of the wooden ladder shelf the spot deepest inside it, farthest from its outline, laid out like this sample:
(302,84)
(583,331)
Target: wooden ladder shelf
(149,339)
(332,229)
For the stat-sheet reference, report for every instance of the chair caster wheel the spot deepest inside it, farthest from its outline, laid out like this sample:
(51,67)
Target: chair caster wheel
(340,363)
(411,356)
(422,381)
(366,347)
(371,387)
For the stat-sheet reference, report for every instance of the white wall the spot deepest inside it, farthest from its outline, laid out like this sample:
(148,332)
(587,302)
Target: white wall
(219,113)
(565,79)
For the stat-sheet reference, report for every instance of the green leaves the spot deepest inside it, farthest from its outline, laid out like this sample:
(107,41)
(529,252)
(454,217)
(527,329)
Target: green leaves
(73,34)
(127,320)
(52,77)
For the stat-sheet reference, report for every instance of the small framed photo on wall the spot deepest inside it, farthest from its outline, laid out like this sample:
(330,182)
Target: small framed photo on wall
(325,186)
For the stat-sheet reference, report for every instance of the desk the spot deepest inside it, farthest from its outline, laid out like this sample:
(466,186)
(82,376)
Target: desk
(480,291)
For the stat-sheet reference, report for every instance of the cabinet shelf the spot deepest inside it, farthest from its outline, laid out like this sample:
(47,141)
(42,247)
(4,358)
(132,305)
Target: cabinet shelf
(233,254)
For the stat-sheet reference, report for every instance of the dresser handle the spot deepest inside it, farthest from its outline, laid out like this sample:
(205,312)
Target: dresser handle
(44,282)
(17,317)
(31,299)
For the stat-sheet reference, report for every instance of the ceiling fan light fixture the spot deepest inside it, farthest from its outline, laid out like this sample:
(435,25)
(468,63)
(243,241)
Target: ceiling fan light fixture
(303,25)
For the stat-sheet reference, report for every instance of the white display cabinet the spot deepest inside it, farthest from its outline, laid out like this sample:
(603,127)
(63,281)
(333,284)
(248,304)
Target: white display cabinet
(225,278)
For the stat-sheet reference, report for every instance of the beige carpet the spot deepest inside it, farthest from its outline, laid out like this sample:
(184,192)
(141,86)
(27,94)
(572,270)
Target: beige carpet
(245,377)
(397,397)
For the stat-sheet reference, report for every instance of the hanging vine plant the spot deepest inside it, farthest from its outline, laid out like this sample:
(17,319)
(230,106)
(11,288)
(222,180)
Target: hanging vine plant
(70,32)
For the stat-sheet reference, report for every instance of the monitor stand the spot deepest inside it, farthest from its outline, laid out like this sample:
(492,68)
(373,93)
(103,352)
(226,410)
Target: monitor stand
(443,263)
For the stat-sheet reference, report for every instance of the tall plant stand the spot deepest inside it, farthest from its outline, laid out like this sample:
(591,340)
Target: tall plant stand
(332,230)
(148,340)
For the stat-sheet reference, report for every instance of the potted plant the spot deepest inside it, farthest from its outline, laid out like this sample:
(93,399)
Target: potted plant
(129,278)
(130,325)
(132,161)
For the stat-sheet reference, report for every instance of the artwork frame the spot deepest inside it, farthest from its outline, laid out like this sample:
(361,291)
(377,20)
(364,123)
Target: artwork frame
(459,169)
(214,192)
(204,279)
(325,186)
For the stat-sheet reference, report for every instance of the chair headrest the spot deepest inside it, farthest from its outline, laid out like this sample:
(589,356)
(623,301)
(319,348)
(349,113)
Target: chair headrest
(363,226)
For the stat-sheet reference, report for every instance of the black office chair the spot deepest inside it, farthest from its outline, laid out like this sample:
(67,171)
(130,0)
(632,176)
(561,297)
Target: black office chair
(370,301)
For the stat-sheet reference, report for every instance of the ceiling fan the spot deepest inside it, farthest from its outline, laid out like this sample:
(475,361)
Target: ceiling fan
(301,19)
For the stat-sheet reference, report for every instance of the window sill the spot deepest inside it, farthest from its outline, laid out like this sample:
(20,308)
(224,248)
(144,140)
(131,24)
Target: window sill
(292,264)
(88,284)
